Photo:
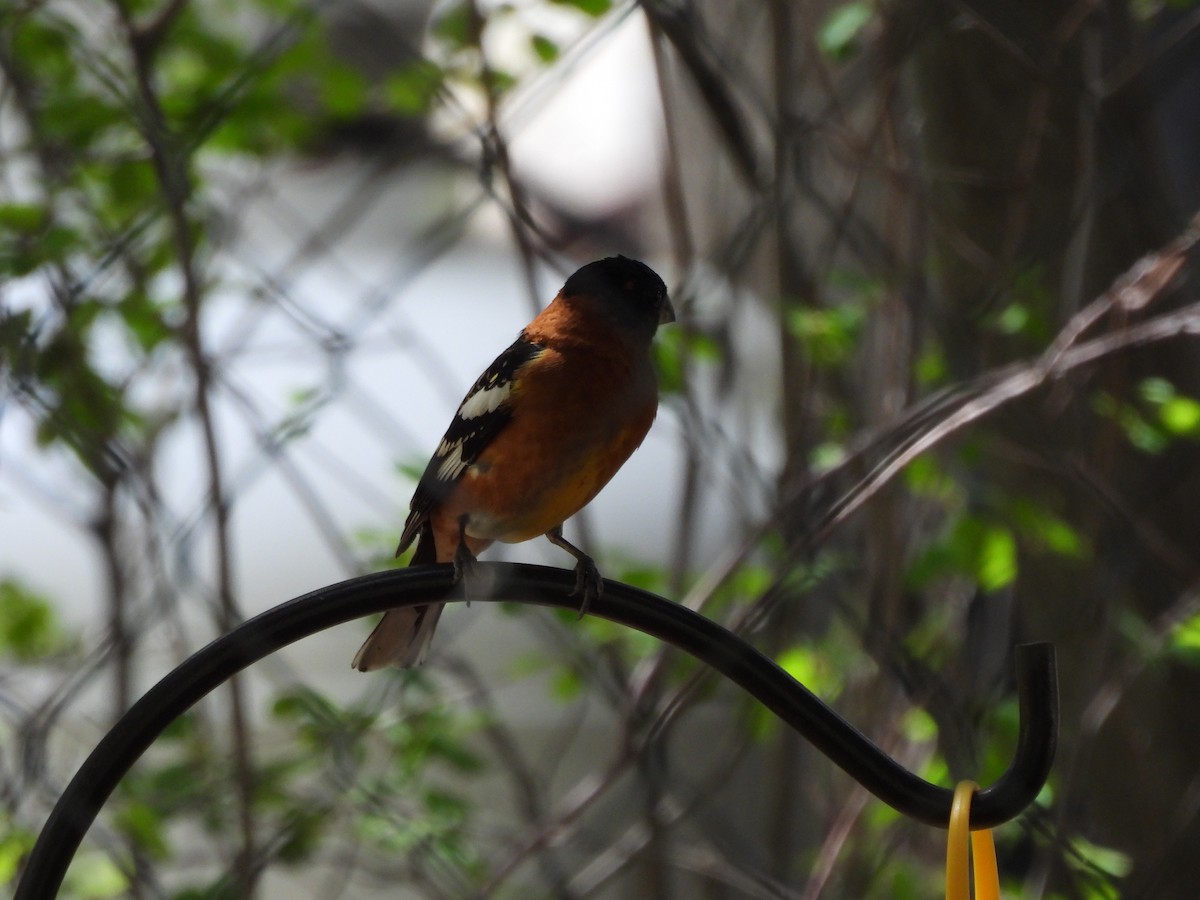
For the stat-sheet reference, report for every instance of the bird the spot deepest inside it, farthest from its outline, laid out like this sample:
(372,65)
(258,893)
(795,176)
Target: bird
(541,431)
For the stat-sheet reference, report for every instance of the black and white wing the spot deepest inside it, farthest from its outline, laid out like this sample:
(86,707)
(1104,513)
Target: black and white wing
(484,412)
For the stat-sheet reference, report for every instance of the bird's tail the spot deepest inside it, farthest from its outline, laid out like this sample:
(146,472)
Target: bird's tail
(402,636)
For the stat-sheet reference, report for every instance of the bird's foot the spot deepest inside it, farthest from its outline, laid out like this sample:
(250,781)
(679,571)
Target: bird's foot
(465,568)
(589,584)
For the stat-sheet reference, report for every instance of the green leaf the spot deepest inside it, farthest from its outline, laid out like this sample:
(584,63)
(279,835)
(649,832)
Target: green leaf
(668,360)
(131,185)
(919,726)
(829,335)
(1142,434)
(593,8)
(302,834)
(1180,415)
(906,881)
(826,456)
(566,685)
(502,81)
(812,669)
(926,478)
(1177,413)
(528,664)
(455,27)
(182,728)
(1043,527)
(751,581)
(1013,319)
(640,575)
(930,368)
(1156,391)
(1185,639)
(36,42)
(94,876)
(145,827)
(29,627)
(343,91)
(997,559)
(15,843)
(445,805)
(762,724)
(838,34)
(984,551)
(545,49)
(1025,313)
(1061,537)
(170,789)
(1104,859)
(16,334)
(410,92)
(25,217)
(218,889)
(28,240)
(80,119)
(143,320)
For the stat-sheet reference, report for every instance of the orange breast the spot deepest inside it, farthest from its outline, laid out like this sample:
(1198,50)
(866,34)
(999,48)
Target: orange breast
(573,427)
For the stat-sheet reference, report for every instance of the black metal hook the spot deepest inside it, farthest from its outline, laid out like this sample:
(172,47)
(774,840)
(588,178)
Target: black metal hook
(209,667)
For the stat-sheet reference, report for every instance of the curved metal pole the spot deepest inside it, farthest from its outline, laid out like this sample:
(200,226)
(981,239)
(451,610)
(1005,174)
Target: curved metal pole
(256,638)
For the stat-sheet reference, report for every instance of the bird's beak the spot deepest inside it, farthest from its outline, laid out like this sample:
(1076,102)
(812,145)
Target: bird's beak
(667,313)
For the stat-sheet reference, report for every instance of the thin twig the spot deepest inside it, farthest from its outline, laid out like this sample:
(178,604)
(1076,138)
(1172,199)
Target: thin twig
(171,172)
(1146,281)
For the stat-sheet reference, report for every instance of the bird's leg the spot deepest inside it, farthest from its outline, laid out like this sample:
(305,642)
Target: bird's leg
(464,559)
(587,577)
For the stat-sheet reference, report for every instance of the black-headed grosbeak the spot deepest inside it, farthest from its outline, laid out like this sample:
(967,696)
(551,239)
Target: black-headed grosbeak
(535,439)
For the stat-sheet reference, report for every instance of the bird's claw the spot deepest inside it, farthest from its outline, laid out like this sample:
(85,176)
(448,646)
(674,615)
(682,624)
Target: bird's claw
(589,584)
(465,566)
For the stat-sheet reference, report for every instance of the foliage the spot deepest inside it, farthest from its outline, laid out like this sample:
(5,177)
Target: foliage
(29,629)
(121,121)
(889,306)
(839,35)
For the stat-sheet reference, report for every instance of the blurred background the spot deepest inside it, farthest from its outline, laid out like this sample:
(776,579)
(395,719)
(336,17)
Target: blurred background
(253,253)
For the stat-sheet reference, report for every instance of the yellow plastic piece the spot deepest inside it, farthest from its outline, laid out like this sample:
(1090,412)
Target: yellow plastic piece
(959,851)
(987,876)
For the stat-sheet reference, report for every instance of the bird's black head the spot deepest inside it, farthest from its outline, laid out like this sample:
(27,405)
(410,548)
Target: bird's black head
(630,291)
